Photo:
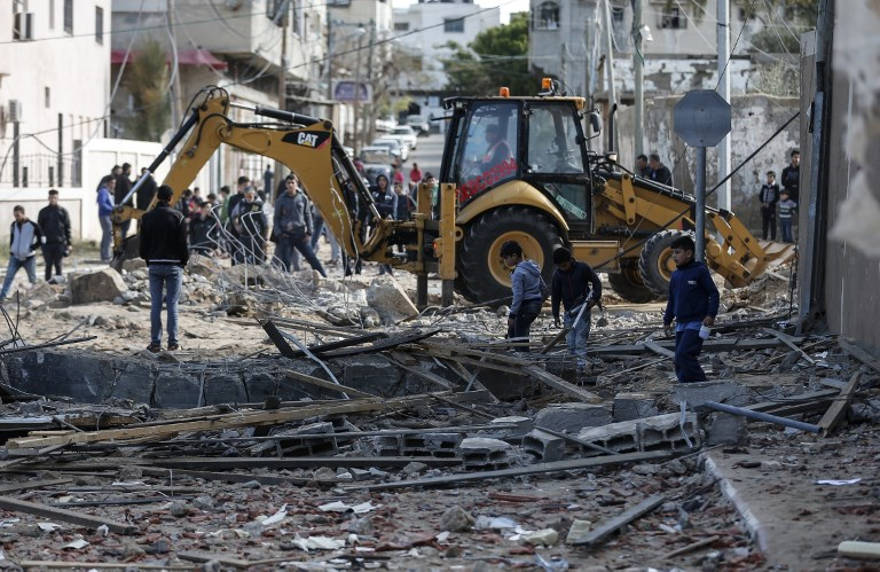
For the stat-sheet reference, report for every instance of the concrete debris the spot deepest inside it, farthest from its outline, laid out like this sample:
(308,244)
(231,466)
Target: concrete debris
(456,519)
(572,417)
(484,453)
(100,286)
(388,298)
(665,432)
(544,537)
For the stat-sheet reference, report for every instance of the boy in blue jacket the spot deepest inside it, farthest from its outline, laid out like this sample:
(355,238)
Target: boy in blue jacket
(693,302)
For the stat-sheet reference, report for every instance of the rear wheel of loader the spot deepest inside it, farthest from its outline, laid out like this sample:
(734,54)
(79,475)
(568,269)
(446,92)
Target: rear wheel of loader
(655,261)
(628,284)
(482,276)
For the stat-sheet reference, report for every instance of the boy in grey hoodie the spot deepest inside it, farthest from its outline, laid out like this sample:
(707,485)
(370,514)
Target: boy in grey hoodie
(25,237)
(528,290)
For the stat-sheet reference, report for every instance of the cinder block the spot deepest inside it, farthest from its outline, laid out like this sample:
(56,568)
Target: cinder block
(572,417)
(523,426)
(661,432)
(629,406)
(484,453)
(300,447)
(224,388)
(177,391)
(546,447)
(134,381)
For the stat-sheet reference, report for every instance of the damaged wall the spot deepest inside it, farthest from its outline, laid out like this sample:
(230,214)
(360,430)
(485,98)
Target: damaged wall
(852,266)
(755,118)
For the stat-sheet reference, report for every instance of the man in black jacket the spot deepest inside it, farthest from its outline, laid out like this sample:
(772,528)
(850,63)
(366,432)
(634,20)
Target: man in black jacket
(54,222)
(791,176)
(658,171)
(146,192)
(570,285)
(769,196)
(163,247)
(123,185)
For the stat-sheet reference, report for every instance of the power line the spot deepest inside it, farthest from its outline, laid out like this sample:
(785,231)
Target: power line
(730,56)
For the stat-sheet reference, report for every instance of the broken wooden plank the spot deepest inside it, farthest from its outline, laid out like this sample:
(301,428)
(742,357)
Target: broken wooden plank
(609,527)
(278,339)
(691,547)
(447,349)
(325,384)
(28,485)
(835,412)
(348,342)
(860,354)
(16,505)
(386,344)
(658,349)
(709,346)
(220,558)
(518,471)
(560,384)
(789,341)
(222,421)
(428,376)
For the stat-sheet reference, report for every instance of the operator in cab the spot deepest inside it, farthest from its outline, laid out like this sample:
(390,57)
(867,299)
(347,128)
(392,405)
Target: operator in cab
(498,151)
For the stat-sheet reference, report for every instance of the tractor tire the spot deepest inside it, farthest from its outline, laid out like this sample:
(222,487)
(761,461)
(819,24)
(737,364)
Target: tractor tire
(628,284)
(655,261)
(482,276)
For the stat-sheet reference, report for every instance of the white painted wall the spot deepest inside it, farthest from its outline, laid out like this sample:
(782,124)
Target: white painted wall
(73,67)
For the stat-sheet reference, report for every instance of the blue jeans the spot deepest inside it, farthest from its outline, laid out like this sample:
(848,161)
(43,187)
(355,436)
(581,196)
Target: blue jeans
(106,238)
(688,345)
(168,277)
(318,224)
(785,223)
(30,266)
(577,336)
(289,244)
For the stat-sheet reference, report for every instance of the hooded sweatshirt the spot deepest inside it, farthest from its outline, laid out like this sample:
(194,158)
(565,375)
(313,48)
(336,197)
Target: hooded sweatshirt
(25,238)
(526,285)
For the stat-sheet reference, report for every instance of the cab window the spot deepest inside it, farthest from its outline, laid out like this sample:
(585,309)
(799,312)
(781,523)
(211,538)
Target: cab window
(489,151)
(553,145)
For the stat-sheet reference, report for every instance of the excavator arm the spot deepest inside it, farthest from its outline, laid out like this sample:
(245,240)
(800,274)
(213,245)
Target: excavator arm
(307,146)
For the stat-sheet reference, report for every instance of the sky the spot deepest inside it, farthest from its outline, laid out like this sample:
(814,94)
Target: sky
(507,6)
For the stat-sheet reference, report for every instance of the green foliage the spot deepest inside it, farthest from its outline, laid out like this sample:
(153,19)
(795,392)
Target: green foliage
(784,21)
(146,78)
(497,57)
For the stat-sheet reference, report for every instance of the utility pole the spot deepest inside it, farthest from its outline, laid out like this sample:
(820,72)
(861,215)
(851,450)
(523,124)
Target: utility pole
(638,65)
(357,98)
(282,85)
(329,58)
(176,113)
(723,16)
(609,64)
(370,129)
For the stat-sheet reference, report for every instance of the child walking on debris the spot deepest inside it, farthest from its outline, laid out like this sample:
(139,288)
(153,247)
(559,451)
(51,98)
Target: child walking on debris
(693,302)
(571,285)
(528,290)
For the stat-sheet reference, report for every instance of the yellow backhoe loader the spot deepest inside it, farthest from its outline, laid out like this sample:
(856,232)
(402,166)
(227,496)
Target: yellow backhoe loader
(513,168)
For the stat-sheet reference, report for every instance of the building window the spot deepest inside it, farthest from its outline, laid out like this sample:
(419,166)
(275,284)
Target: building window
(617,14)
(47,97)
(338,2)
(453,25)
(22,22)
(68,16)
(672,18)
(547,16)
(99,24)
(401,26)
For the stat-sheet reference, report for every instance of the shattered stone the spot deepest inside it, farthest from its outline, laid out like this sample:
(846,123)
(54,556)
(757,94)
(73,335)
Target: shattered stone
(697,393)
(100,286)
(132,264)
(629,406)
(579,528)
(179,509)
(545,537)
(389,299)
(414,468)
(203,502)
(456,519)
(324,474)
(725,429)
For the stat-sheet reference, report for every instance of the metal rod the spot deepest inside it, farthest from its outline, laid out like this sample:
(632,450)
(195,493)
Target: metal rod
(762,416)
(700,216)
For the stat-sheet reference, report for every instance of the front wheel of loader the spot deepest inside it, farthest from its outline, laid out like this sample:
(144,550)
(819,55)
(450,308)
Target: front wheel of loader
(628,284)
(482,276)
(655,261)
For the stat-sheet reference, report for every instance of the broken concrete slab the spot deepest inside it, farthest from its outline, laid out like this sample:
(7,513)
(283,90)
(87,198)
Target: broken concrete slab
(725,429)
(133,381)
(61,373)
(132,264)
(100,286)
(628,406)
(721,391)
(389,299)
(224,388)
(372,374)
(177,392)
(572,417)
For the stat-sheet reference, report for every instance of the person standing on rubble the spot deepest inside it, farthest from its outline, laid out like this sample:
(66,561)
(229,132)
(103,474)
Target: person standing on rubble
(163,247)
(571,285)
(528,290)
(769,196)
(250,228)
(105,210)
(693,303)
(292,226)
(54,222)
(24,239)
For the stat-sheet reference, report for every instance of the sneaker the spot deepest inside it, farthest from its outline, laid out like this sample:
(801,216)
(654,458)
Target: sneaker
(173,346)
(154,348)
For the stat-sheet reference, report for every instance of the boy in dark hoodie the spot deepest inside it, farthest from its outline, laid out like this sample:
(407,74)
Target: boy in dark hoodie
(693,302)
(528,287)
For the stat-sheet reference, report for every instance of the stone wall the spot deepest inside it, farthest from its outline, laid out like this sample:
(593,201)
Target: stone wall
(755,118)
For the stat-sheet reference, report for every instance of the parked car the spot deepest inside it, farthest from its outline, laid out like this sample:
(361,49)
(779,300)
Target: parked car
(398,148)
(419,123)
(385,125)
(377,161)
(406,134)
